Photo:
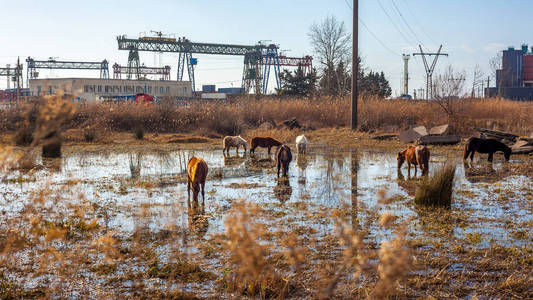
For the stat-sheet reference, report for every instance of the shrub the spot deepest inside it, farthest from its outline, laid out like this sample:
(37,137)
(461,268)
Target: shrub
(437,191)
(24,136)
(89,135)
(139,133)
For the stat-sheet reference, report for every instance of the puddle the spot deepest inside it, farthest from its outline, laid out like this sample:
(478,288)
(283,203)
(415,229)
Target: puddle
(153,182)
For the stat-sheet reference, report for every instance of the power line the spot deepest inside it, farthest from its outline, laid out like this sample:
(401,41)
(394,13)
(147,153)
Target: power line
(408,26)
(394,24)
(418,23)
(377,39)
(371,33)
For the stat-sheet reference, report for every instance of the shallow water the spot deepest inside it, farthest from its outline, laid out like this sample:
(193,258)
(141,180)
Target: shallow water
(148,185)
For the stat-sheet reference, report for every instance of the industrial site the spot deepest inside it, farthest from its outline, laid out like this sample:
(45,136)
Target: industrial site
(374,149)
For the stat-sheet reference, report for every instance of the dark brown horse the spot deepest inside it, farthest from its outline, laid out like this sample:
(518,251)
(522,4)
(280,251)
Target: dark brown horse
(265,142)
(283,158)
(489,146)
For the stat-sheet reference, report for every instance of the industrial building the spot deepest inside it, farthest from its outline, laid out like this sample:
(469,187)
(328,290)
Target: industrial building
(98,89)
(515,79)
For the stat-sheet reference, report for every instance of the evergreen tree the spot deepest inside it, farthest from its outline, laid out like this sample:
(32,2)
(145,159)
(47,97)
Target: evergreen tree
(297,83)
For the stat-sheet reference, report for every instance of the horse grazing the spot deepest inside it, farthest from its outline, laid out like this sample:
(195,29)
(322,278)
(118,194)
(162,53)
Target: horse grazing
(489,146)
(196,175)
(234,141)
(283,157)
(265,142)
(301,144)
(418,155)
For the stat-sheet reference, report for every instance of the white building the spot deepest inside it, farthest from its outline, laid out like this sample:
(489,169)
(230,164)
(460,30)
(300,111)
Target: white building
(95,89)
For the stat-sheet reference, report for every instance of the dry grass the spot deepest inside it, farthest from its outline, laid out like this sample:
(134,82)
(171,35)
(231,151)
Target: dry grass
(232,117)
(437,190)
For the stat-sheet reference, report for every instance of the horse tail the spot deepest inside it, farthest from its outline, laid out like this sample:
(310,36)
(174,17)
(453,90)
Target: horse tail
(467,148)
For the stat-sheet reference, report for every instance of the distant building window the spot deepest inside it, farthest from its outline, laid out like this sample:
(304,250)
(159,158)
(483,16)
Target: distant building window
(168,90)
(184,90)
(139,89)
(38,90)
(85,88)
(149,90)
(107,89)
(161,90)
(99,89)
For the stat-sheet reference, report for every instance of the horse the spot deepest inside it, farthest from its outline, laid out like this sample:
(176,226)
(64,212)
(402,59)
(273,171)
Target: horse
(283,158)
(234,141)
(265,142)
(415,155)
(196,175)
(489,146)
(301,144)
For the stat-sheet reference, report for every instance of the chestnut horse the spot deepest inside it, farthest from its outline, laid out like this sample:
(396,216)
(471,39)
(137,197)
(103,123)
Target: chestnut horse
(418,155)
(196,175)
(283,157)
(265,142)
(489,146)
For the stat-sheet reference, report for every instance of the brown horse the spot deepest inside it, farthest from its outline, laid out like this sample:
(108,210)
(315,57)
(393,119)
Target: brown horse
(283,157)
(489,146)
(265,142)
(196,175)
(418,155)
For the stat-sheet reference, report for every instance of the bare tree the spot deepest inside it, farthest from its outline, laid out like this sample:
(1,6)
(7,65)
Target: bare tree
(477,78)
(449,86)
(495,64)
(331,43)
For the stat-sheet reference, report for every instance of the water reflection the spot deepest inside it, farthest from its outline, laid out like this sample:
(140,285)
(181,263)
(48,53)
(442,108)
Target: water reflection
(234,161)
(135,164)
(198,221)
(354,168)
(261,163)
(283,190)
(484,173)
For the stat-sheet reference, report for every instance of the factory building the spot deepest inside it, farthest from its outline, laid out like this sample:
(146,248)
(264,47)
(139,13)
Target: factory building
(96,89)
(515,79)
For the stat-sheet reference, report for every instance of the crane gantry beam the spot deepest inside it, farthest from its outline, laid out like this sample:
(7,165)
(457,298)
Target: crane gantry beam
(252,78)
(118,70)
(33,65)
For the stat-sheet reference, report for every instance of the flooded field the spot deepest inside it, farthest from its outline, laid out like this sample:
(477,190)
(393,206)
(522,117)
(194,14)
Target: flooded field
(138,199)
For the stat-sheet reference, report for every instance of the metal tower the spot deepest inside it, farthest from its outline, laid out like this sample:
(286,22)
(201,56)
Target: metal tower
(270,58)
(185,56)
(133,63)
(429,69)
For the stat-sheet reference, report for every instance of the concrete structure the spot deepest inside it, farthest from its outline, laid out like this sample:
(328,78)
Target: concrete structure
(95,89)
(515,79)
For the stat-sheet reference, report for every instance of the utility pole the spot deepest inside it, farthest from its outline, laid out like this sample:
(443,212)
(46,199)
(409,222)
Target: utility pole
(405,74)
(487,92)
(429,69)
(355,70)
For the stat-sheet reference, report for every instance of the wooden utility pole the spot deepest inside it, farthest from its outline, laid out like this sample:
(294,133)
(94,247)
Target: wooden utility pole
(355,70)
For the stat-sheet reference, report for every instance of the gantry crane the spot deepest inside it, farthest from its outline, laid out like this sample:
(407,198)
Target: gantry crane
(164,72)
(52,63)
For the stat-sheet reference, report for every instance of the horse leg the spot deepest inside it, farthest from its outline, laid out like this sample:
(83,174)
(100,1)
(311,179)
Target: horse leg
(472,156)
(269,149)
(408,169)
(416,169)
(188,193)
(203,194)
(491,154)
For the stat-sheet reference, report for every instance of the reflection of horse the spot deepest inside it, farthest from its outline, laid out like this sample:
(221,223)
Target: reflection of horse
(233,161)
(418,155)
(262,163)
(301,144)
(265,142)
(408,185)
(302,162)
(135,164)
(283,190)
(196,175)
(234,141)
(489,146)
(283,158)
(198,221)
(483,174)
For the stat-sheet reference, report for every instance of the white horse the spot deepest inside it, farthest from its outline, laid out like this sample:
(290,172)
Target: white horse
(234,141)
(301,144)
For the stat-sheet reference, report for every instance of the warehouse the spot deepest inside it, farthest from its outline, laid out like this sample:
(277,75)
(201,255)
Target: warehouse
(515,78)
(95,89)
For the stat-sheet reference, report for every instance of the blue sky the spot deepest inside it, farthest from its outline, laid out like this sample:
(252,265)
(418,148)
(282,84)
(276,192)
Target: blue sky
(471,31)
